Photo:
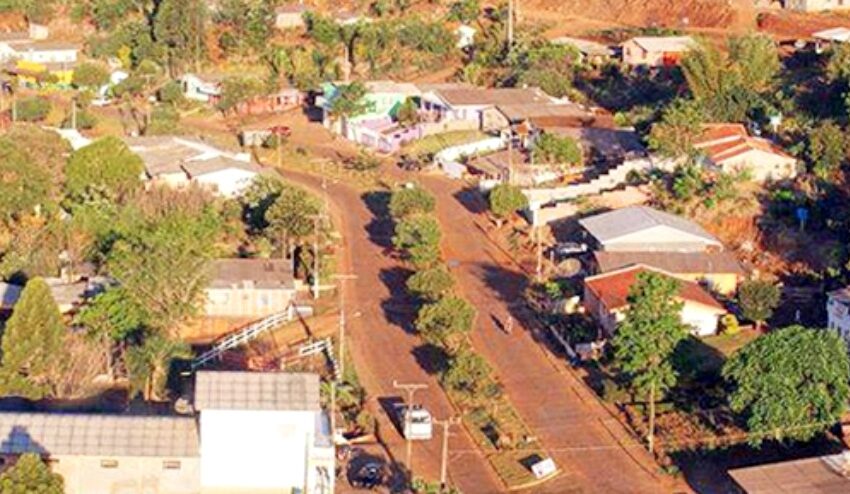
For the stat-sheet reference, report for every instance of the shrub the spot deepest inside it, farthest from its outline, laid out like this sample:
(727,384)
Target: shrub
(33,109)
(729,324)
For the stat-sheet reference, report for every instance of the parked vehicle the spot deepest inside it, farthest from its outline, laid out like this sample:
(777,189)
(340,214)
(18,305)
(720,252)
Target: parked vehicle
(419,427)
(368,476)
(566,249)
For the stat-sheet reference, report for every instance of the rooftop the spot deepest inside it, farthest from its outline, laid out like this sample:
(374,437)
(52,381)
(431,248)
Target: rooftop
(721,142)
(259,273)
(612,288)
(216,164)
(665,43)
(387,86)
(46,46)
(585,46)
(256,391)
(621,222)
(492,96)
(98,435)
(168,154)
(821,475)
(836,34)
(290,8)
(609,143)
(546,111)
(672,262)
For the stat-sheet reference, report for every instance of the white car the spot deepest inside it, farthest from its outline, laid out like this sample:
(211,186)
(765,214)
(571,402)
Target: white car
(420,426)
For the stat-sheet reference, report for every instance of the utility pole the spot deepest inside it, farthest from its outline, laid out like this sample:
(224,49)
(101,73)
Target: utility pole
(74,113)
(342,278)
(445,454)
(510,25)
(316,219)
(539,231)
(14,107)
(410,389)
(510,157)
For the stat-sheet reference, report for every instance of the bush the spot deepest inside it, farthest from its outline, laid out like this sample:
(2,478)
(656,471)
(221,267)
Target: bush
(171,93)
(557,150)
(34,109)
(85,120)
(408,201)
(164,120)
(729,324)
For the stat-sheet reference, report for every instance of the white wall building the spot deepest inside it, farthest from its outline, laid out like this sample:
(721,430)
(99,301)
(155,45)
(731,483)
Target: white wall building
(201,87)
(45,52)
(838,312)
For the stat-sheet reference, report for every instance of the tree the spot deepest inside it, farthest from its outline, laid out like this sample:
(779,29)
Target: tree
(33,344)
(407,114)
(505,200)
(107,167)
(756,60)
(179,25)
(465,11)
(46,149)
(291,218)
(24,185)
(109,318)
(446,321)
(238,90)
(646,338)
(32,109)
(349,101)
(827,149)
(675,134)
(431,284)
(790,383)
(171,93)
(467,373)
(546,65)
(758,299)
(149,364)
(419,238)
(90,75)
(409,201)
(549,148)
(30,475)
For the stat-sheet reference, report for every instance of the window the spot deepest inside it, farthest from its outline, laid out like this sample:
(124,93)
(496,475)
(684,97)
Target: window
(171,465)
(108,463)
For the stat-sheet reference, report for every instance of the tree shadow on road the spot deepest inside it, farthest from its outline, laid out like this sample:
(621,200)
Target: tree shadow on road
(472,199)
(432,359)
(380,228)
(400,308)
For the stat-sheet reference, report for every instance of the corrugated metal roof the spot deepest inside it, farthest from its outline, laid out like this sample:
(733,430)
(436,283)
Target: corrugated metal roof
(281,391)
(672,262)
(821,475)
(665,43)
(262,273)
(492,96)
(98,435)
(218,163)
(607,227)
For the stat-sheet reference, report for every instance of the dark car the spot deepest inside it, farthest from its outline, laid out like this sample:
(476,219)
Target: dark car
(368,476)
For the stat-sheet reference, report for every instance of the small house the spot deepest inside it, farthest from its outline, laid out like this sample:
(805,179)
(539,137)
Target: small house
(464,106)
(289,16)
(730,149)
(838,312)
(656,51)
(225,176)
(606,299)
(249,288)
(205,88)
(644,229)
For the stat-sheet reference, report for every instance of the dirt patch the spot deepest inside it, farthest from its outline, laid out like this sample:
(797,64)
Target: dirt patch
(785,26)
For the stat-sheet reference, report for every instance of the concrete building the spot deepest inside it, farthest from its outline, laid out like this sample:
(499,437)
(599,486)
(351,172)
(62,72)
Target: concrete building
(643,229)
(257,433)
(730,149)
(289,16)
(816,5)
(606,299)
(838,312)
(249,288)
(656,51)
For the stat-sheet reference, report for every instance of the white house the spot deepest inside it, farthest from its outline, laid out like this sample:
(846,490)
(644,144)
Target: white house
(223,175)
(465,36)
(199,87)
(249,288)
(289,16)
(656,51)
(606,299)
(46,52)
(251,433)
(644,229)
(263,433)
(838,312)
(729,148)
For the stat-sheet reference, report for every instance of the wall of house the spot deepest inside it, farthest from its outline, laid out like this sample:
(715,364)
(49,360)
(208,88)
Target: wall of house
(838,318)
(288,20)
(634,54)
(48,56)
(128,475)
(230,182)
(273,449)
(703,319)
(593,306)
(246,301)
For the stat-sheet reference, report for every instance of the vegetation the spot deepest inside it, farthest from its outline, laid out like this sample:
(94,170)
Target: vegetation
(758,299)
(790,384)
(505,200)
(32,109)
(106,168)
(647,337)
(410,201)
(549,148)
(30,475)
(431,284)
(418,237)
(446,321)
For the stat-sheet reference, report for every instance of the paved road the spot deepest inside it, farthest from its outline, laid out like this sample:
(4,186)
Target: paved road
(381,346)
(582,438)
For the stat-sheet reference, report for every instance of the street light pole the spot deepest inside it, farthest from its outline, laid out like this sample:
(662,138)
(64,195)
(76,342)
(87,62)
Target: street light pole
(341,278)
(445,454)
(410,389)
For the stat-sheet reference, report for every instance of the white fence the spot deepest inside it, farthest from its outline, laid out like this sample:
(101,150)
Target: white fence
(449,159)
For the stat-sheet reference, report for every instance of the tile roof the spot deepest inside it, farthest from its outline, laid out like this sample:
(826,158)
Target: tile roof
(671,262)
(492,96)
(261,273)
(665,43)
(612,288)
(721,142)
(98,435)
(281,391)
(216,164)
(612,225)
(821,475)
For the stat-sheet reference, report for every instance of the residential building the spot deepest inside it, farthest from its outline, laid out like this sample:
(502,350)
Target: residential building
(465,36)
(816,5)
(68,293)
(591,51)
(829,37)
(47,52)
(463,103)
(838,312)
(656,51)
(719,271)
(606,299)
(289,16)
(180,161)
(249,288)
(644,229)
(829,474)
(207,89)
(250,433)
(263,432)
(346,18)
(33,61)
(201,87)
(730,149)
(504,117)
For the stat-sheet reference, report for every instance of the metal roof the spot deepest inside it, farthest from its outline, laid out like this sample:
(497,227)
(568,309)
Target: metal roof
(820,475)
(260,273)
(607,227)
(281,391)
(672,262)
(665,43)
(98,435)
(492,96)
(217,164)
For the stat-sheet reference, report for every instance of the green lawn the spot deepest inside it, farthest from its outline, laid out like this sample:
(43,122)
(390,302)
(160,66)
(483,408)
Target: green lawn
(437,142)
(707,355)
(728,344)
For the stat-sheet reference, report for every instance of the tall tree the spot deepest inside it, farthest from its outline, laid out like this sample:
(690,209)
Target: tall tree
(431,284)
(149,364)
(30,475)
(291,218)
(23,184)
(446,322)
(105,168)
(505,200)
(349,101)
(180,26)
(408,201)
(33,344)
(827,149)
(790,383)
(758,299)
(647,337)
(418,237)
